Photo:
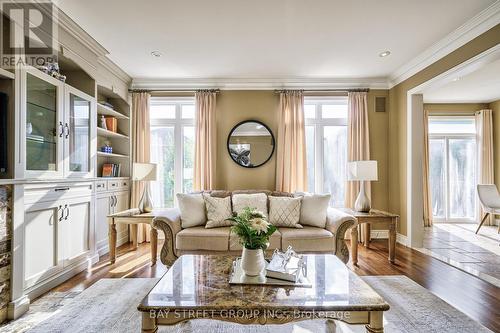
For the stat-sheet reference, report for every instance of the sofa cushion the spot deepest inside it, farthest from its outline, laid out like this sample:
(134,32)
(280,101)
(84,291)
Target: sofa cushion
(255,200)
(200,238)
(218,211)
(313,209)
(192,207)
(274,242)
(308,239)
(284,211)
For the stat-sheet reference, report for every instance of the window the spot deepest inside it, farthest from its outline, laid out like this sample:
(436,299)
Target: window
(172,147)
(452,168)
(326,146)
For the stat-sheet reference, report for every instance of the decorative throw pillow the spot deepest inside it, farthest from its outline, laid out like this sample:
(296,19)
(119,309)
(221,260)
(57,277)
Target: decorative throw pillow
(313,209)
(192,207)
(254,200)
(284,211)
(218,211)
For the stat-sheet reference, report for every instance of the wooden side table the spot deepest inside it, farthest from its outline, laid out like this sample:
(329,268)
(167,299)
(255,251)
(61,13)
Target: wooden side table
(365,220)
(134,218)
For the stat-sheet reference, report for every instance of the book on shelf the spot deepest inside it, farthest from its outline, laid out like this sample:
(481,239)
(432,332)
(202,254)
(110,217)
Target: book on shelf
(111,170)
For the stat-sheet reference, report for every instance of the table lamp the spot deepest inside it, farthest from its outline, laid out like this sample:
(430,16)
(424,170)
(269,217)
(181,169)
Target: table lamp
(145,172)
(362,171)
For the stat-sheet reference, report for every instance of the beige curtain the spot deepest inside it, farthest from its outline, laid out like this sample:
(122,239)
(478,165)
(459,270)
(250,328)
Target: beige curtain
(140,150)
(206,141)
(291,162)
(484,130)
(427,187)
(358,140)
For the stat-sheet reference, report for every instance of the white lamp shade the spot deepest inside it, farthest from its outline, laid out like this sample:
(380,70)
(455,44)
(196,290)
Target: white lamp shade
(144,171)
(362,170)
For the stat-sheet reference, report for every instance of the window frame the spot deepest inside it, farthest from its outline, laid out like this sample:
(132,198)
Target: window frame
(178,123)
(318,122)
(446,137)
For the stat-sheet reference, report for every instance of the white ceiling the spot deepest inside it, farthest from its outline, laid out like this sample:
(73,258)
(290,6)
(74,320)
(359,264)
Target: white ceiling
(267,39)
(480,86)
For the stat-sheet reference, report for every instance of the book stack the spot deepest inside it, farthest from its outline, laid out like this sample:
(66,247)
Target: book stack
(111,170)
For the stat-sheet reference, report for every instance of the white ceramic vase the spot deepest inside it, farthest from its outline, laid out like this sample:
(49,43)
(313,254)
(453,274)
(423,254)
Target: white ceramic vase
(252,262)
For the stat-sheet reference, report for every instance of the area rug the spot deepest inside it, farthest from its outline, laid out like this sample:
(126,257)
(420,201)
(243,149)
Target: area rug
(110,306)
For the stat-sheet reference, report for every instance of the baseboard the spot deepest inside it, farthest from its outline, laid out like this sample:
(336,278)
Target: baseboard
(103,245)
(63,276)
(402,239)
(379,234)
(18,307)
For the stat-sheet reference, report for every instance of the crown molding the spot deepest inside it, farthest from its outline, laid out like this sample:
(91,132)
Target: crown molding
(108,64)
(79,34)
(259,84)
(476,26)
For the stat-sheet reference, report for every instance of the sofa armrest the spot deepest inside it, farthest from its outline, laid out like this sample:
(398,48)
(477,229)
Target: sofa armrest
(338,222)
(169,222)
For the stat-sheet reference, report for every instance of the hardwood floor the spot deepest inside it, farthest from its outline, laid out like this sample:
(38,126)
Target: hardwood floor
(476,298)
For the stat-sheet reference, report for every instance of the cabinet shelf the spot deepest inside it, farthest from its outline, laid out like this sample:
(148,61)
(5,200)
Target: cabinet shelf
(38,139)
(103,154)
(42,107)
(107,111)
(110,134)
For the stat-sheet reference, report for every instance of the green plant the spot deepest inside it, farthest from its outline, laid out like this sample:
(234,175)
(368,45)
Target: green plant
(252,228)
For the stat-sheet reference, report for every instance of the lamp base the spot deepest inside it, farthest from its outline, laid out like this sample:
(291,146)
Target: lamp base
(146,203)
(362,203)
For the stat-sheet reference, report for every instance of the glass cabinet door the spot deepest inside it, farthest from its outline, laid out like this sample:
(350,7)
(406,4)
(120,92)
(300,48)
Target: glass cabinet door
(43,127)
(79,134)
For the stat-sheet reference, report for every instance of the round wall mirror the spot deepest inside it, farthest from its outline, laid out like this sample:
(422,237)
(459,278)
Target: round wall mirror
(250,144)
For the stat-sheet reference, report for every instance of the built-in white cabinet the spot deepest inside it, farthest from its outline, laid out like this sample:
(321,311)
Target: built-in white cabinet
(76,226)
(58,128)
(112,196)
(80,133)
(41,228)
(58,230)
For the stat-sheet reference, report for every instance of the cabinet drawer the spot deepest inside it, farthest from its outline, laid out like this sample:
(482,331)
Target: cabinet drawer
(101,186)
(50,192)
(124,184)
(113,185)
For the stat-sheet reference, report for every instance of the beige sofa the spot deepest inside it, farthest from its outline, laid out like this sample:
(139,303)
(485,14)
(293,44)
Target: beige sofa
(196,240)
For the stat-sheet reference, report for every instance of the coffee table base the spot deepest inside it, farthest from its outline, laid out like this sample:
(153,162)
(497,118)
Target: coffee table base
(373,320)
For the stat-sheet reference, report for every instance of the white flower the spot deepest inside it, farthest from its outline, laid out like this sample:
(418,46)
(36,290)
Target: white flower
(259,224)
(259,213)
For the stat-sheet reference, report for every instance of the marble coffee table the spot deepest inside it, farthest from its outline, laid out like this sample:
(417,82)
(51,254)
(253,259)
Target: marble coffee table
(197,286)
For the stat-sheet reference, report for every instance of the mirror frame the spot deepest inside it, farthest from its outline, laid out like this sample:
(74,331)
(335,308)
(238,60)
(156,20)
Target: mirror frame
(251,121)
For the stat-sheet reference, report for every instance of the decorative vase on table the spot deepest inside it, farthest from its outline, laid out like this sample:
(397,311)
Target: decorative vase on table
(254,232)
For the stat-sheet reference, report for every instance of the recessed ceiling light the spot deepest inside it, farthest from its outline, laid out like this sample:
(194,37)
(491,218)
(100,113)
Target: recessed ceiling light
(384,54)
(458,78)
(156,54)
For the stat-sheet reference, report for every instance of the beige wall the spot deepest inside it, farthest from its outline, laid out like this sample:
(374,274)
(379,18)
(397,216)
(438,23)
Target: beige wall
(455,107)
(233,107)
(379,141)
(236,106)
(398,114)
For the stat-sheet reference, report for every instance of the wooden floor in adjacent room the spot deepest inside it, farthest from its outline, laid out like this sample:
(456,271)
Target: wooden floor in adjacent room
(476,298)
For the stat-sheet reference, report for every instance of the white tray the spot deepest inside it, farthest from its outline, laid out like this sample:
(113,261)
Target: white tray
(238,277)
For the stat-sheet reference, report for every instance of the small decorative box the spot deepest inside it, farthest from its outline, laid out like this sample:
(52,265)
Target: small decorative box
(287,265)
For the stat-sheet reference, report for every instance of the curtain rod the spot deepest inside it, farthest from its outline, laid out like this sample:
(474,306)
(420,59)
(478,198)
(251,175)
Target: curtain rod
(173,90)
(278,91)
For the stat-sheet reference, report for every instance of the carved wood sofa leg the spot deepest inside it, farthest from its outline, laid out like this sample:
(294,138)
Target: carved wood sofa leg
(167,254)
(341,248)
